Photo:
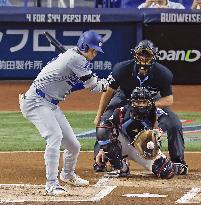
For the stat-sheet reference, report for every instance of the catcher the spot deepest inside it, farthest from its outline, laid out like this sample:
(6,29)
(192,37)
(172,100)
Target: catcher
(130,133)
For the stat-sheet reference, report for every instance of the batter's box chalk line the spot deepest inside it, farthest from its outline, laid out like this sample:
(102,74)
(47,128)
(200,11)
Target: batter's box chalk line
(16,193)
(190,197)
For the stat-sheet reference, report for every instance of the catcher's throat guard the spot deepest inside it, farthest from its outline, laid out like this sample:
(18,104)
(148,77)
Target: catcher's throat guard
(147,143)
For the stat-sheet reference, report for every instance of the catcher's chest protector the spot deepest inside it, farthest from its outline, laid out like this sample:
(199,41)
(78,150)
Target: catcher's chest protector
(131,128)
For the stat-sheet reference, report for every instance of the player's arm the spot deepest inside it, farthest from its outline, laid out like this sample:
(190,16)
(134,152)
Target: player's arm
(164,101)
(113,84)
(104,101)
(165,86)
(93,83)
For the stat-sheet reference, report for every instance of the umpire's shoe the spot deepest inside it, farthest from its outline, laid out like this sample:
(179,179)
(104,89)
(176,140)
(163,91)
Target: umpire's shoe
(181,168)
(53,188)
(75,180)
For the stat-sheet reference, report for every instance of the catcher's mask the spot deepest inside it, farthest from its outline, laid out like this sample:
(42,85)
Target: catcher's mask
(141,102)
(145,53)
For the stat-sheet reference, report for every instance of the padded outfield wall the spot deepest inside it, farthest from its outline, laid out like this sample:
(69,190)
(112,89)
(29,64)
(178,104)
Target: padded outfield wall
(24,50)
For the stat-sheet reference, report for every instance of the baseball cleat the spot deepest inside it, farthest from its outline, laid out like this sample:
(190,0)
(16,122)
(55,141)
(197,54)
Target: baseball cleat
(54,189)
(181,168)
(124,172)
(75,180)
(117,174)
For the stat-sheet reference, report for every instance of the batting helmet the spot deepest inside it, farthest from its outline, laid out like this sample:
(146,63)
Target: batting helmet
(145,53)
(90,39)
(164,168)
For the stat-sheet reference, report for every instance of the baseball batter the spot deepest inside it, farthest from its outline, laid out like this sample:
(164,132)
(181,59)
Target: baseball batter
(68,72)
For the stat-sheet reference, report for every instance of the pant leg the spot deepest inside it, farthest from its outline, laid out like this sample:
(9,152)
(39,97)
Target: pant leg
(42,115)
(132,153)
(70,144)
(173,126)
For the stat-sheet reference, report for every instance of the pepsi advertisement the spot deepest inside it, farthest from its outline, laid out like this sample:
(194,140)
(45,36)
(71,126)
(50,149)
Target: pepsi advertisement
(25,49)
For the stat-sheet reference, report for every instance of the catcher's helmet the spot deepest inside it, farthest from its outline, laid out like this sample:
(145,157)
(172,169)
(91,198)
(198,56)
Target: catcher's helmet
(140,93)
(90,39)
(141,102)
(164,168)
(145,53)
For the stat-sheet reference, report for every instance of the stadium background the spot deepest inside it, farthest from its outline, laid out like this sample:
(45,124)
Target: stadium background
(24,50)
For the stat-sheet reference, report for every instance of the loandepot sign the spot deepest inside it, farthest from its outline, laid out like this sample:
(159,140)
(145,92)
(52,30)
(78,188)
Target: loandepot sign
(180,55)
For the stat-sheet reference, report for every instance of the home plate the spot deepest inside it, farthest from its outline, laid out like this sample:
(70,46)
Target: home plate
(144,195)
(13,193)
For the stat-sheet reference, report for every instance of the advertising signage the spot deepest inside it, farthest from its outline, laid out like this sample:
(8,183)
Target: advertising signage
(179,46)
(25,50)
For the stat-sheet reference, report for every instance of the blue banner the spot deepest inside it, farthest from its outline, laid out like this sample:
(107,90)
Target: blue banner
(67,15)
(25,50)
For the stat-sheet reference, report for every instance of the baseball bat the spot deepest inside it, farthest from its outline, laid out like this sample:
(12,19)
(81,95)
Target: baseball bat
(55,42)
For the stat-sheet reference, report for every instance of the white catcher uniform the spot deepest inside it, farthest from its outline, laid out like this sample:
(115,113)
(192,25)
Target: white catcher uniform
(40,105)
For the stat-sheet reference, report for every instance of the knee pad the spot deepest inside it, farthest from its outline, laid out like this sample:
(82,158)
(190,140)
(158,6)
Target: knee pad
(164,168)
(104,131)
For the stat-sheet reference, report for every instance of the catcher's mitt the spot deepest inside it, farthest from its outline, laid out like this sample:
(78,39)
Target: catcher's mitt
(147,143)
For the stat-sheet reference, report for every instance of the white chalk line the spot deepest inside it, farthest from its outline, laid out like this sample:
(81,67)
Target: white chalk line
(104,192)
(145,195)
(102,182)
(189,196)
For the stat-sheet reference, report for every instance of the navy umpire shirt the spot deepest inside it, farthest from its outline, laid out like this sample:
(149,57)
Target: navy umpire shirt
(157,81)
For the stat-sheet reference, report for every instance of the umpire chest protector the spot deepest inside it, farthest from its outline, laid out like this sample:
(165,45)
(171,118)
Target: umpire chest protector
(125,76)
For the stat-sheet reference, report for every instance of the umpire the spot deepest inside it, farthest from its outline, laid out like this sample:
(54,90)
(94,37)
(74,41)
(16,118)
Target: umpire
(144,71)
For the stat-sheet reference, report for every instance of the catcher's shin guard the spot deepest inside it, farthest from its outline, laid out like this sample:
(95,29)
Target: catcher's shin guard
(113,151)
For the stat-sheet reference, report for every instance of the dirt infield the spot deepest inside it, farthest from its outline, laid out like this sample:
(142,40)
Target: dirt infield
(186,98)
(28,168)
(16,171)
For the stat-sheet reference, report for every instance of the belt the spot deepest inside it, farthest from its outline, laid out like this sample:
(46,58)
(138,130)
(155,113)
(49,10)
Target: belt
(42,94)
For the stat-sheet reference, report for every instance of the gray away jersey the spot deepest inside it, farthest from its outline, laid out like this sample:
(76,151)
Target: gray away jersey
(59,76)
